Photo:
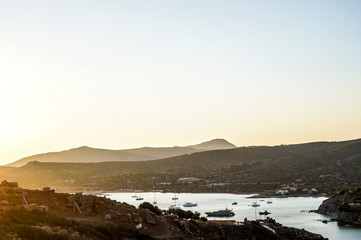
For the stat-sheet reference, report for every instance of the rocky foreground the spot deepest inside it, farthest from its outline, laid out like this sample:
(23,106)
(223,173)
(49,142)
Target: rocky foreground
(34,214)
(344,207)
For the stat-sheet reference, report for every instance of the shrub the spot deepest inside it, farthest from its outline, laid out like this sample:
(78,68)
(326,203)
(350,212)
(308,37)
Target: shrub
(154,209)
(185,214)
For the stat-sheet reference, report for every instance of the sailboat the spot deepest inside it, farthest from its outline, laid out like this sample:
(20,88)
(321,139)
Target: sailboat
(255,204)
(175,197)
(174,206)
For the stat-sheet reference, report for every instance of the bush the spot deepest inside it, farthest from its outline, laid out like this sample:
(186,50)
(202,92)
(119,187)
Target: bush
(32,233)
(185,214)
(154,209)
(350,208)
(204,219)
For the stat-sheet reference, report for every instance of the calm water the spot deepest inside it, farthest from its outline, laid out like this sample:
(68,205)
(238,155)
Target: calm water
(287,211)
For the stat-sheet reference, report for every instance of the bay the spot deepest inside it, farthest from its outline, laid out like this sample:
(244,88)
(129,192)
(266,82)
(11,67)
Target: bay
(291,211)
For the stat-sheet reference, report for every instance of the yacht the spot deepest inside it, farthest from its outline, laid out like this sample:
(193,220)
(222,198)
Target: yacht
(173,207)
(221,213)
(189,204)
(255,204)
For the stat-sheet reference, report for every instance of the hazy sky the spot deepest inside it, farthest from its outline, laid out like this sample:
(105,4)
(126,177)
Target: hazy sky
(124,74)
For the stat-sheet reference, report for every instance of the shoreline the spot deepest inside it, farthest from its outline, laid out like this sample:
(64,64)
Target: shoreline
(254,195)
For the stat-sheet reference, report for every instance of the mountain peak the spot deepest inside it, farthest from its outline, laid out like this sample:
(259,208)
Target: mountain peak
(214,144)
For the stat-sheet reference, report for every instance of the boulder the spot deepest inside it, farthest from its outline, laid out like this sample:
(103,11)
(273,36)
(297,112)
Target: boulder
(43,208)
(63,232)
(33,206)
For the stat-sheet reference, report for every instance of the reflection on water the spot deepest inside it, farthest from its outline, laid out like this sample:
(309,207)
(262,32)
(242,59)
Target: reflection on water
(291,212)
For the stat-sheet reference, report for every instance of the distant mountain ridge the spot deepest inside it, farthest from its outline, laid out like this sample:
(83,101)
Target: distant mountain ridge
(88,154)
(325,166)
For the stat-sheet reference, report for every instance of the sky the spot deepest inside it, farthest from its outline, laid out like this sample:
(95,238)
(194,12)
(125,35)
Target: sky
(126,74)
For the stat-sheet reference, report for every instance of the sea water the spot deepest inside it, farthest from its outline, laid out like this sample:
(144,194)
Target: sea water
(291,212)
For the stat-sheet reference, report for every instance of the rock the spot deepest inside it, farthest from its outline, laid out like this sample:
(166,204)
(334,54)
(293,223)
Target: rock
(4,203)
(47,229)
(4,183)
(46,189)
(56,229)
(63,232)
(149,219)
(33,206)
(43,208)
(13,184)
(75,234)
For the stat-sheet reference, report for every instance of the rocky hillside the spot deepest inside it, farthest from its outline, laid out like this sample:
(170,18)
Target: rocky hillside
(344,207)
(87,154)
(325,166)
(30,214)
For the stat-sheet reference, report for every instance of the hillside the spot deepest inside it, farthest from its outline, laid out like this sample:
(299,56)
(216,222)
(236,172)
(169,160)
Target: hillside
(50,215)
(326,166)
(87,154)
(344,207)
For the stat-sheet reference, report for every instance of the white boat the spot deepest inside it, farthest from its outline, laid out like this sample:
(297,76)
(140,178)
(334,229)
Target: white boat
(139,198)
(173,207)
(269,202)
(134,196)
(189,204)
(255,204)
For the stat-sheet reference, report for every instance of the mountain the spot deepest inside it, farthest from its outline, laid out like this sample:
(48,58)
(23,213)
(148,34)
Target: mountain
(214,144)
(87,154)
(326,166)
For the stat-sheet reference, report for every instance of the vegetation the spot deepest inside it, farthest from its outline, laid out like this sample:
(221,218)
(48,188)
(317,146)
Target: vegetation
(154,209)
(184,214)
(22,223)
(327,166)
(350,208)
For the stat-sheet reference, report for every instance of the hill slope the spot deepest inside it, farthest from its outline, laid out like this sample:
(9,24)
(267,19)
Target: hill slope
(87,154)
(326,166)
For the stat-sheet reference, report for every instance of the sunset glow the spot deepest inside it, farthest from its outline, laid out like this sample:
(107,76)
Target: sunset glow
(126,74)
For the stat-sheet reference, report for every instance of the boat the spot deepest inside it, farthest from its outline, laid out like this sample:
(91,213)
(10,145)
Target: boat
(255,204)
(134,196)
(269,202)
(234,203)
(173,207)
(139,198)
(175,197)
(264,213)
(190,204)
(221,213)
(262,200)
